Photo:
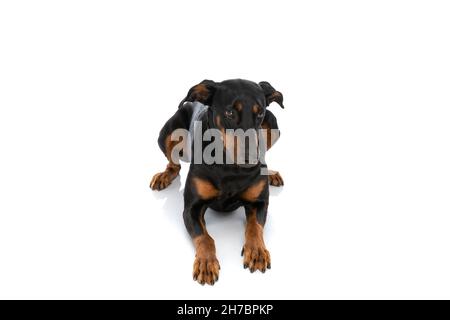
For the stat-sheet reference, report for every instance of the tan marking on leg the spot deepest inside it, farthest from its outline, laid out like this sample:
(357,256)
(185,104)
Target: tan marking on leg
(206,266)
(275,178)
(205,189)
(163,179)
(174,147)
(256,256)
(253,192)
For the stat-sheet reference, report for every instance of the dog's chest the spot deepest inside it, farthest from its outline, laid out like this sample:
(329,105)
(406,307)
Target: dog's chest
(232,188)
(228,200)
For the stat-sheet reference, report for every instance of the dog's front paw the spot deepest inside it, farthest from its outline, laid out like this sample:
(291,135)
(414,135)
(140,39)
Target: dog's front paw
(275,179)
(206,270)
(256,257)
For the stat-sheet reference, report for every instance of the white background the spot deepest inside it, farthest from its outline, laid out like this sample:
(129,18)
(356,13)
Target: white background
(85,87)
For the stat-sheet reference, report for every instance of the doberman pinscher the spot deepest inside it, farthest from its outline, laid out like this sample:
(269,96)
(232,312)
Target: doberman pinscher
(232,104)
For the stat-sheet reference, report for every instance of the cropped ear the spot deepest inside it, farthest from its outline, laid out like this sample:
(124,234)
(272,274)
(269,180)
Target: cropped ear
(202,92)
(271,94)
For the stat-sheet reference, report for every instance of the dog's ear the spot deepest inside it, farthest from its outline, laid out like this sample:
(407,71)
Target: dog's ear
(202,92)
(271,94)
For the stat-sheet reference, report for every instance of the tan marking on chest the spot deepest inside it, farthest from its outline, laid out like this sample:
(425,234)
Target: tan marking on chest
(253,192)
(205,189)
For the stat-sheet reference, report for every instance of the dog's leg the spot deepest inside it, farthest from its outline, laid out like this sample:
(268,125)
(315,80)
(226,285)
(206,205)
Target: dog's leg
(180,120)
(206,265)
(256,256)
(275,178)
(270,123)
(197,193)
(163,179)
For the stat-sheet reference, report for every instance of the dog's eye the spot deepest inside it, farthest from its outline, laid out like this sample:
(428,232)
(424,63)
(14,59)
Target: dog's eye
(229,113)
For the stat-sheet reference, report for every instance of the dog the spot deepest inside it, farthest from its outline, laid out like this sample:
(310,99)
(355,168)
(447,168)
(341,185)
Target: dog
(227,105)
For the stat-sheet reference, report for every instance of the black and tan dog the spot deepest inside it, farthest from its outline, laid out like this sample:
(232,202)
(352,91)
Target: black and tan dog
(231,104)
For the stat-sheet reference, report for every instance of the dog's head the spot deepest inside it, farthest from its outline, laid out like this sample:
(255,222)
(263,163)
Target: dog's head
(235,104)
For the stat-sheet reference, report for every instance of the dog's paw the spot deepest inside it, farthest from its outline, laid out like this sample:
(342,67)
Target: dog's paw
(163,179)
(160,181)
(275,179)
(256,257)
(206,270)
